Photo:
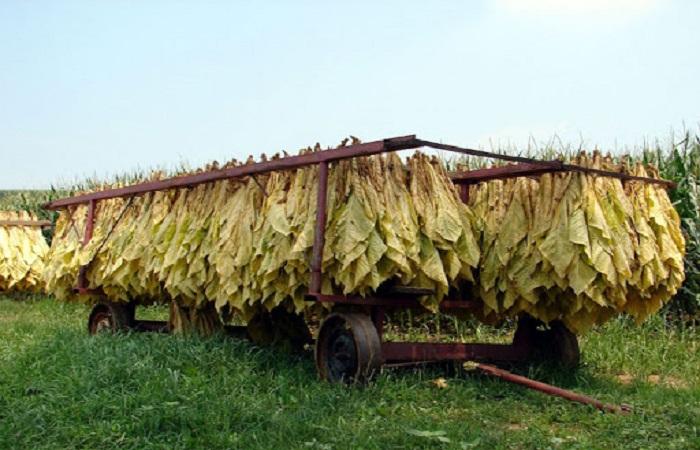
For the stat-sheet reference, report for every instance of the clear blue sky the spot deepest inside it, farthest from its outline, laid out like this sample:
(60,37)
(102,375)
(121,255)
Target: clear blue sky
(103,87)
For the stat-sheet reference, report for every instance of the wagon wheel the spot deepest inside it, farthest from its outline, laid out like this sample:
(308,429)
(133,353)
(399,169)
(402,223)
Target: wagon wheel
(555,343)
(562,345)
(281,328)
(348,349)
(110,317)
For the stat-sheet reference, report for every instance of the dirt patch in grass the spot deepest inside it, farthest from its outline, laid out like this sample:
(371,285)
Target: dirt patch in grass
(625,378)
(669,381)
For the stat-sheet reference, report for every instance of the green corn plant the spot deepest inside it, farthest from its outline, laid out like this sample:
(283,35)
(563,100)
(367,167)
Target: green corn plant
(680,162)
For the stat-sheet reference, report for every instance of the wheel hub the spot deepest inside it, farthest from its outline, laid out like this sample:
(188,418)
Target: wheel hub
(348,348)
(101,322)
(342,355)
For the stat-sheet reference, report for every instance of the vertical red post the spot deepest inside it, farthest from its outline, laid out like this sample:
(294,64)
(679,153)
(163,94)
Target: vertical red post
(464,193)
(378,316)
(320,231)
(89,227)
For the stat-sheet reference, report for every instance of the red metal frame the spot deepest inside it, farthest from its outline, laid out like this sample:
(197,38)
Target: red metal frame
(552,390)
(393,352)
(286,163)
(332,155)
(534,169)
(503,172)
(457,351)
(389,302)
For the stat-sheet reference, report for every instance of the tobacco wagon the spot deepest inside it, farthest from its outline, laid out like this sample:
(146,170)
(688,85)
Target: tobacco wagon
(350,344)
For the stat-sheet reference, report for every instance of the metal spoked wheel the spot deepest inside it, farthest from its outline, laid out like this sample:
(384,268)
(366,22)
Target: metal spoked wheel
(348,349)
(110,318)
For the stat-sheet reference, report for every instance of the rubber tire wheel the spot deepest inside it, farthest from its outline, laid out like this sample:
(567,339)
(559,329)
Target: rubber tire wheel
(279,328)
(563,345)
(348,349)
(110,317)
(555,344)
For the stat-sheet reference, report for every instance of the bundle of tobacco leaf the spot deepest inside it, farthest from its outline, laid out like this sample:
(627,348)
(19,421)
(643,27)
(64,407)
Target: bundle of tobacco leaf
(566,246)
(22,252)
(577,247)
(246,244)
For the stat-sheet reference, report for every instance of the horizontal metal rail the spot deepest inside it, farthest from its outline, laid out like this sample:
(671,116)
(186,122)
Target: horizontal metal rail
(553,166)
(25,223)
(390,302)
(510,171)
(552,390)
(152,326)
(287,163)
(536,168)
(326,156)
(480,153)
(621,176)
(457,351)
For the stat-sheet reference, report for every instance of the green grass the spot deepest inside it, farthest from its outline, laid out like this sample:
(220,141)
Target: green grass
(60,388)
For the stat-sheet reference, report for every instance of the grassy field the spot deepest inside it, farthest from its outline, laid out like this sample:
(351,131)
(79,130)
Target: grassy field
(60,388)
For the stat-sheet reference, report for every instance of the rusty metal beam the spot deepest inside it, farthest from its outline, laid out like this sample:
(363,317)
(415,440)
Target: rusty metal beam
(389,302)
(294,162)
(621,176)
(551,390)
(152,326)
(503,172)
(473,152)
(288,163)
(464,193)
(536,168)
(440,351)
(553,166)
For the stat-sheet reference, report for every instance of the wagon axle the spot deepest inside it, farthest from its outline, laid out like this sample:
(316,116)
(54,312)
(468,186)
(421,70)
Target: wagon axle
(349,348)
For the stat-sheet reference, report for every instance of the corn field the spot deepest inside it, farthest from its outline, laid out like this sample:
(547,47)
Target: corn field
(680,162)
